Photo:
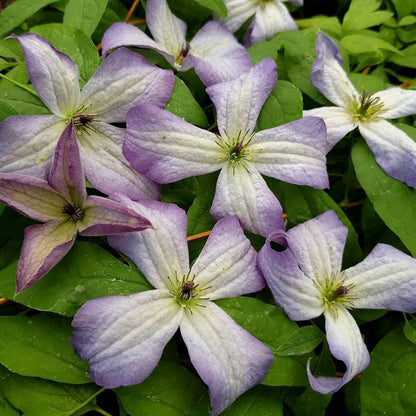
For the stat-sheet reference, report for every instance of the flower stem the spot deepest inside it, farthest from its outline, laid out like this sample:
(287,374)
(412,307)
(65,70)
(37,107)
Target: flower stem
(132,9)
(71,412)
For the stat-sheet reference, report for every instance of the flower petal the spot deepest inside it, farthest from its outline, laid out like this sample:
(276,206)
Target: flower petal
(160,252)
(122,81)
(27,143)
(397,102)
(385,279)
(228,359)
(393,149)
(238,11)
(166,148)
(239,102)
(328,75)
(294,152)
(217,56)
(44,245)
(227,263)
(123,337)
(244,192)
(105,166)
(346,344)
(53,74)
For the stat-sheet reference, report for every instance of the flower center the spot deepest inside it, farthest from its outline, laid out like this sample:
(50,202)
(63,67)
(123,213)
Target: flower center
(82,120)
(366,108)
(74,212)
(183,53)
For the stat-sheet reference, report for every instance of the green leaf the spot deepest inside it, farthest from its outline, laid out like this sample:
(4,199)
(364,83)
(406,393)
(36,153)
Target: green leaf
(363,44)
(393,201)
(39,346)
(309,403)
(404,7)
(217,6)
(327,24)
(301,341)
(388,384)
(84,14)
(285,104)
(407,59)
(369,83)
(184,105)
(86,272)
(409,330)
(6,409)
(170,390)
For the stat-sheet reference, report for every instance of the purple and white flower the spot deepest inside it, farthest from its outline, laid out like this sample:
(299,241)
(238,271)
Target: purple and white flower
(306,281)
(214,52)
(166,149)
(123,337)
(393,149)
(124,79)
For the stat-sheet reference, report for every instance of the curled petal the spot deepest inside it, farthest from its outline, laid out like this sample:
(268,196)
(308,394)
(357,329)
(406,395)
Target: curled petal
(397,102)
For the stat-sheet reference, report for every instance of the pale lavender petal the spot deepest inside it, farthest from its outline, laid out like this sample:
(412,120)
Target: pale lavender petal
(123,337)
(53,74)
(227,264)
(397,102)
(217,56)
(160,252)
(294,152)
(239,102)
(104,217)
(227,358)
(294,292)
(346,344)
(243,192)
(27,143)
(385,279)
(328,75)
(166,148)
(122,81)
(393,149)
(105,166)
(238,11)
(43,246)
(297,3)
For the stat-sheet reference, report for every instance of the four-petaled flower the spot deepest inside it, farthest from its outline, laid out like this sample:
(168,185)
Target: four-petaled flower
(123,337)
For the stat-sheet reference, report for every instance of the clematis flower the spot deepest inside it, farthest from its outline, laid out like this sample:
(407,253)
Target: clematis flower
(123,337)
(270,18)
(306,281)
(393,149)
(166,148)
(63,205)
(214,52)
(123,80)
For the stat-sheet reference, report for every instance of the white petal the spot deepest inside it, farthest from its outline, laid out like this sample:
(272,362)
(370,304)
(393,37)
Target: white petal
(238,11)
(397,102)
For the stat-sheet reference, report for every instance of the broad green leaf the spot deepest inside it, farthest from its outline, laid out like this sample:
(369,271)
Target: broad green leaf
(85,273)
(184,105)
(309,403)
(407,59)
(301,341)
(84,14)
(393,201)
(363,44)
(38,346)
(6,409)
(388,384)
(409,330)
(404,7)
(263,49)
(170,390)
(327,24)
(217,6)
(369,83)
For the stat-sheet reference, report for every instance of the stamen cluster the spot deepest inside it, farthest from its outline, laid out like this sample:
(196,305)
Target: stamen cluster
(366,108)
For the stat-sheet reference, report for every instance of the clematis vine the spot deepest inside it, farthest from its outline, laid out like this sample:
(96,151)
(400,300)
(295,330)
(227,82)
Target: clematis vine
(62,204)
(124,79)
(393,149)
(166,148)
(123,337)
(270,18)
(214,52)
(306,281)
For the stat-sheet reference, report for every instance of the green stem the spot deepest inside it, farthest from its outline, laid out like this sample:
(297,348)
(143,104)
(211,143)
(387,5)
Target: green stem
(71,412)
(102,411)
(28,89)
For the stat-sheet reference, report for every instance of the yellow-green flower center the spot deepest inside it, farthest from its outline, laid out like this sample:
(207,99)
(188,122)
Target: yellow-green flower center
(366,108)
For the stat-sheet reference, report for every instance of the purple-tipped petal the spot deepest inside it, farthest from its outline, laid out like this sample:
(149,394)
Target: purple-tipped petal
(122,81)
(43,246)
(243,192)
(397,102)
(239,102)
(53,74)
(160,252)
(166,148)
(393,149)
(123,337)
(385,279)
(227,263)
(346,344)
(294,152)
(227,358)
(238,11)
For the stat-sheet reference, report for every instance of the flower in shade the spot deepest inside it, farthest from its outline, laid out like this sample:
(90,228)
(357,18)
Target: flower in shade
(393,149)
(62,204)
(306,281)
(214,53)
(123,337)
(270,18)
(123,80)
(166,148)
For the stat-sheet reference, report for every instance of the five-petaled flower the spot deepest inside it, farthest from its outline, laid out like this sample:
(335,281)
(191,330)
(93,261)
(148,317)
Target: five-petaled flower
(123,337)
(306,281)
